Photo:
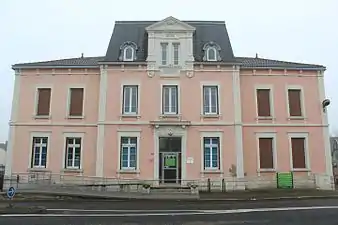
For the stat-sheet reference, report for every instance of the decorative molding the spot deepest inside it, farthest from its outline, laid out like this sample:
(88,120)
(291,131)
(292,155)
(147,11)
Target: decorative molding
(190,73)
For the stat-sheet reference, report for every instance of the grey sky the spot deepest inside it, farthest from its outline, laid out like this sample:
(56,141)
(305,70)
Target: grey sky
(293,30)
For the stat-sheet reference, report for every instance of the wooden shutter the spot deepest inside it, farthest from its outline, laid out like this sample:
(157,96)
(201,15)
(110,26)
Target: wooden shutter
(43,107)
(263,102)
(76,102)
(266,153)
(298,153)
(295,107)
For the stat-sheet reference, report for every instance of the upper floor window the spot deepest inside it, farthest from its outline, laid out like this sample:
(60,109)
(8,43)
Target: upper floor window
(210,100)
(164,53)
(176,53)
(128,51)
(211,51)
(43,101)
(130,99)
(76,102)
(263,102)
(295,102)
(170,99)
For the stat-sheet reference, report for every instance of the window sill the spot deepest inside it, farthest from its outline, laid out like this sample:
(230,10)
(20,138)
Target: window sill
(266,170)
(72,170)
(38,169)
(75,117)
(210,171)
(130,116)
(46,117)
(301,170)
(265,118)
(128,171)
(296,118)
(162,116)
(211,115)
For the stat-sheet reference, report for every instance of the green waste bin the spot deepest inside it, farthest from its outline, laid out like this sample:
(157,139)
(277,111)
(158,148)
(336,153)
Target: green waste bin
(285,180)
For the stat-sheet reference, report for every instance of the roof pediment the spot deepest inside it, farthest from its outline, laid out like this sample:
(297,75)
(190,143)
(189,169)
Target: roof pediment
(170,24)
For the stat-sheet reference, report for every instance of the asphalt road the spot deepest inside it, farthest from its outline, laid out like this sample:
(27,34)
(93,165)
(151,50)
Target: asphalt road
(298,212)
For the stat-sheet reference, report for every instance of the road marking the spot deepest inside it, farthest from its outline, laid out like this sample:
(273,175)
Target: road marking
(171,213)
(123,210)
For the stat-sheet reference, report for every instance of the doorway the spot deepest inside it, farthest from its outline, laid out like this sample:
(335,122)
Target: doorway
(170,160)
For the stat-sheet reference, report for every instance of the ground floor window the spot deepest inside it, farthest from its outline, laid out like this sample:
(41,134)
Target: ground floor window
(73,153)
(39,152)
(128,153)
(211,152)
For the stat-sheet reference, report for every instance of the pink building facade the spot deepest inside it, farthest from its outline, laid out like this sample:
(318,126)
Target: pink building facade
(171,104)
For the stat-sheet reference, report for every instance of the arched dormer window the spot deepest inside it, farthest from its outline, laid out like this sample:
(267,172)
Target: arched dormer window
(211,51)
(128,51)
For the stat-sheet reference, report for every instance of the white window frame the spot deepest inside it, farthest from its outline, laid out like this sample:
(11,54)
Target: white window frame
(31,154)
(162,100)
(125,87)
(166,45)
(217,98)
(306,149)
(37,99)
(274,150)
(212,134)
(125,53)
(69,98)
(65,149)
(271,95)
(175,46)
(215,51)
(302,101)
(136,134)
(207,83)
(130,83)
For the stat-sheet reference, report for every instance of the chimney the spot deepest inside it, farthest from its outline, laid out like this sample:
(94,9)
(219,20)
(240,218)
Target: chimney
(256,55)
(82,55)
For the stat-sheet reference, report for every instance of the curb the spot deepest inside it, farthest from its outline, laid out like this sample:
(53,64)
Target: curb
(272,198)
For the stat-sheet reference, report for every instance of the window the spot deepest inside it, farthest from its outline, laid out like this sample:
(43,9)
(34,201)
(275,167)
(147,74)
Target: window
(211,152)
(43,101)
(39,152)
(128,53)
(263,102)
(130,99)
(128,153)
(266,158)
(73,153)
(298,152)
(210,100)
(76,102)
(211,54)
(164,47)
(170,99)
(176,53)
(295,105)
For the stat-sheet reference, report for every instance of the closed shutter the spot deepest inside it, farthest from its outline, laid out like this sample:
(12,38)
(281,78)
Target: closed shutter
(76,102)
(266,153)
(263,102)
(43,107)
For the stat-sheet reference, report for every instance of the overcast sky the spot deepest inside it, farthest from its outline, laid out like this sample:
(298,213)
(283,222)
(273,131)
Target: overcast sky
(293,30)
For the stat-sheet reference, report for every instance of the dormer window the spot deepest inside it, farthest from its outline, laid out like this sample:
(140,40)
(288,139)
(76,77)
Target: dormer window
(211,52)
(128,51)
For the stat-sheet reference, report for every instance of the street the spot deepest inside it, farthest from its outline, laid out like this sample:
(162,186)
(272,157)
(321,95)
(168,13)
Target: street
(296,212)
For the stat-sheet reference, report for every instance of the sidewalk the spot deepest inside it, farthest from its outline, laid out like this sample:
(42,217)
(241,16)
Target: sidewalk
(267,195)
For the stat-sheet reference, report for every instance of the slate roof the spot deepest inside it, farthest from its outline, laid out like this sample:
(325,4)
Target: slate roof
(134,31)
(244,62)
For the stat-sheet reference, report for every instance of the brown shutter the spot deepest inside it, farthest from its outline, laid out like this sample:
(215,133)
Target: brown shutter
(266,153)
(43,107)
(298,153)
(295,107)
(263,102)
(76,102)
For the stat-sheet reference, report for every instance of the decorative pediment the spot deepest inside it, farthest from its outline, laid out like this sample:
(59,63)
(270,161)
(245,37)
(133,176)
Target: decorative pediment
(170,24)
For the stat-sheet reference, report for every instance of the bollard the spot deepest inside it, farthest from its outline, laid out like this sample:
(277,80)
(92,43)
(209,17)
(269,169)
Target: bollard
(209,185)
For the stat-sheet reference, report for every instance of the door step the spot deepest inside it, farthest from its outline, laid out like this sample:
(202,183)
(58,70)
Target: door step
(170,189)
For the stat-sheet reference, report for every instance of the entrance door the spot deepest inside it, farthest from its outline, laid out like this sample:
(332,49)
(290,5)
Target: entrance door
(170,160)
(170,168)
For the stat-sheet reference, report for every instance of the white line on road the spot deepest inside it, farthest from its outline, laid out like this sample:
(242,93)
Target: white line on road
(122,210)
(169,212)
